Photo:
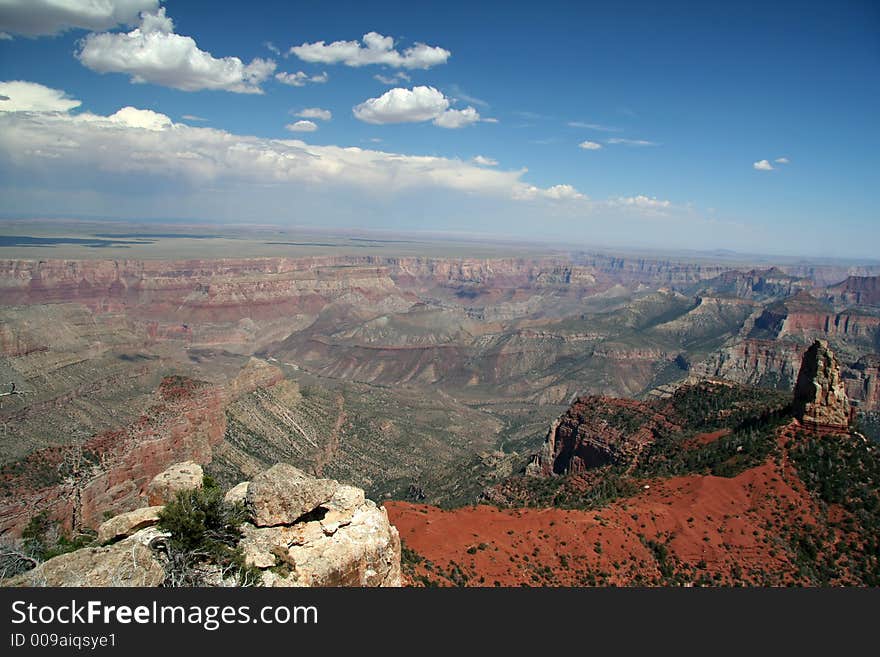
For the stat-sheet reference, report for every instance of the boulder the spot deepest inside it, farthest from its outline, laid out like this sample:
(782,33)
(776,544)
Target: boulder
(317,532)
(126,524)
(126,563)
(180,476)
(363,552)
(283,493)
(237,493)
(819,394)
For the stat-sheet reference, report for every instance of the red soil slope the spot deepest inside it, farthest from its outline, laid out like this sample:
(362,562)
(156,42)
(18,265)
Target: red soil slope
(704,529)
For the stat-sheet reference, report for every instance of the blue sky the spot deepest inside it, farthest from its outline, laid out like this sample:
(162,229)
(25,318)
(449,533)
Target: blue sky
(680,105)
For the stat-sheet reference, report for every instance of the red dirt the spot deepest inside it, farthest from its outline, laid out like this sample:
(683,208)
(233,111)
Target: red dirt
(727,528)
(706,438)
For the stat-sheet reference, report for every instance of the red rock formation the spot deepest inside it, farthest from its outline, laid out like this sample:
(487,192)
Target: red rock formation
(819,395)
(596,431)
(855,291)
(110,471)
(862,381)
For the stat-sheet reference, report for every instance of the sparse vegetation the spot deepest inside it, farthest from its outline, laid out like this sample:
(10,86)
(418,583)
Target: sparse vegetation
(204,536)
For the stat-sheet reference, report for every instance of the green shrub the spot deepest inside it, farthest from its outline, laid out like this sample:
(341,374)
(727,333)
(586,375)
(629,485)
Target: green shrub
(204,529)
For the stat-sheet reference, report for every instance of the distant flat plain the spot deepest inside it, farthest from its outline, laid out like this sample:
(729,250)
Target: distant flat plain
(76,239)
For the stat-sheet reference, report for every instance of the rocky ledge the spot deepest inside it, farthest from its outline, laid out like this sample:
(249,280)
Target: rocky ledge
(300,531)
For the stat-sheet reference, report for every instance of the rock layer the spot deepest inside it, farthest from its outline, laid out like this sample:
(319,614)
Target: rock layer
(819,394)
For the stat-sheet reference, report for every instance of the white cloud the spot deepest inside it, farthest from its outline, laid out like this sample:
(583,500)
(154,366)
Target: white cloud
(271,47)
(762,165)
(315,113)
(146,144)
(782,160)
(131,117)
(400,105)
(641,201)
(453,118)
(300,79)
(485,161)
(374,49)
(153,53)
(590,145)
(21,96)
(489,120)
(631,142)
(193,117)
(44,17)
(302,126)
(554,193)
(4,36)
(415,105)
(400,76)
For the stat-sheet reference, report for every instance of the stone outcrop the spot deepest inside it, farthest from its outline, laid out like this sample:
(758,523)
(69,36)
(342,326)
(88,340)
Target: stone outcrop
(597,431)
(345,540)
(819,394)
(127,563)
(302,531)
(126,524)
(283,493)
(180,476)
(237,493)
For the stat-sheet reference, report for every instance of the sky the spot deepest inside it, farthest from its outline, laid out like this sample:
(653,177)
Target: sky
(743,126)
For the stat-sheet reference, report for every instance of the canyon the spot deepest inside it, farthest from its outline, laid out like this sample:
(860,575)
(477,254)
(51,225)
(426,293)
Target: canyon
(426,380)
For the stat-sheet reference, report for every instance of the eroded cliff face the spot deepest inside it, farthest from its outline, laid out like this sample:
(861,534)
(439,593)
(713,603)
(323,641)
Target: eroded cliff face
(855,291)
(820,395)
(203,302)
(76,484)
(597,431)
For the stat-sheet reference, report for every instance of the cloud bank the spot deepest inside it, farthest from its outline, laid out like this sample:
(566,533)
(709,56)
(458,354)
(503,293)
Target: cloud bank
(152,52)
(147,144)
(373,49)
(35,18)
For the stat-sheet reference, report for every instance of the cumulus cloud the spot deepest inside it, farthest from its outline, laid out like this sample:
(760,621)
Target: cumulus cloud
(554,193)
(302,126)
(631,142)
(21,96)
(153,53)
(131,117)
(44,17)
(485,161)
(315,113)
(590,145)
(374,49)
(415,105)
(782,160)
(300,79)
(144,143)
(400,105)
(398,77)
(762,165)
(453,118)
(641,202)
